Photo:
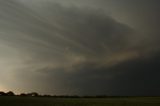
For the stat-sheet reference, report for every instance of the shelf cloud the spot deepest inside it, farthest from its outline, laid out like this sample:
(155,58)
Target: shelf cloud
(55,48)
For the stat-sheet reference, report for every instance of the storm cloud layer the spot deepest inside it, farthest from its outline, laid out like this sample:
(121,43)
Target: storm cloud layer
(52,47)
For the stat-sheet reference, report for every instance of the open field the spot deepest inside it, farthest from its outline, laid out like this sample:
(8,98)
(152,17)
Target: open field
(44,101)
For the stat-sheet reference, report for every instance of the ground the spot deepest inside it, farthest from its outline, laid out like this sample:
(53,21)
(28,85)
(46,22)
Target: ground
(49,101)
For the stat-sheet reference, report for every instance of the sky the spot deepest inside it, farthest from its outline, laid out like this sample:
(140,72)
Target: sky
(80,47)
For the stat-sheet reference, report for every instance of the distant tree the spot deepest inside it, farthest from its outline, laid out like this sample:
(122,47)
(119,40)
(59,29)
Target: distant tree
(23,94)
(101,96)
(48,96)
(74,96)
(33,94)
(2,93)
(10,93)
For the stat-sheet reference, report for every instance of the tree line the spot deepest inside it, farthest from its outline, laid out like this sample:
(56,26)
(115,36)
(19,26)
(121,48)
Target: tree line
(10,93)
(35,94)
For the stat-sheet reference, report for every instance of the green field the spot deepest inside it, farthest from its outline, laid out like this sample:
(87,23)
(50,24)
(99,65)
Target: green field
(44,101)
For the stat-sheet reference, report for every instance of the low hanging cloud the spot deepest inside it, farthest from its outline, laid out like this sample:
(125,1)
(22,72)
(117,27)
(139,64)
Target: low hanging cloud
(69,50)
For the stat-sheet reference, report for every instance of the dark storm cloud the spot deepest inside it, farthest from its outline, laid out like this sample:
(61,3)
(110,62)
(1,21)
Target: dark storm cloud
(73,50)
(133,77)
(140,74)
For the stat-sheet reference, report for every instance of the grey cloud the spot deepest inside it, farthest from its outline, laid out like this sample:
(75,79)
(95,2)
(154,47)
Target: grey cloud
(139,77)
(68,50)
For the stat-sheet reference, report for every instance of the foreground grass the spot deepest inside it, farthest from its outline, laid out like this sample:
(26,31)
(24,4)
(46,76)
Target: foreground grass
(43,101)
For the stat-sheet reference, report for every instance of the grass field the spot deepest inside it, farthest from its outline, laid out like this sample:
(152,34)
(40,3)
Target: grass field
(44,101)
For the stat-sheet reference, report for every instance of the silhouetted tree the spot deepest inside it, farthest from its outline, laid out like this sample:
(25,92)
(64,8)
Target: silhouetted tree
(2,93)
(23,94)
(10,93)
(47,96)
(33,94)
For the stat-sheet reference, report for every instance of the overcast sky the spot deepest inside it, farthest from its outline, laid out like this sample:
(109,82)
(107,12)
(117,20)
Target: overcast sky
(83,47)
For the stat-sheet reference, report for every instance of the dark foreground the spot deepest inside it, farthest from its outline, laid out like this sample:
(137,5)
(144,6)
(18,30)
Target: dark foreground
(44,101)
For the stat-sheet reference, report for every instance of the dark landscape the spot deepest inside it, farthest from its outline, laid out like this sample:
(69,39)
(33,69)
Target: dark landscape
(34,99)
(52,101)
